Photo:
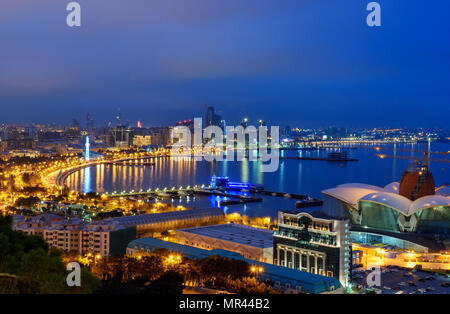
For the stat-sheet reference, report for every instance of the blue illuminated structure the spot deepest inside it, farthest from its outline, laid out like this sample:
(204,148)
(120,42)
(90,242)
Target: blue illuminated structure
(86,149)
(225,183)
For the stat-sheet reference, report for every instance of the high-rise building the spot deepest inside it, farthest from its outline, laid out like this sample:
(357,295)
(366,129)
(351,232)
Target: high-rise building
(213,119)
(209,120)
(315,243)
(119,136)
(90,128)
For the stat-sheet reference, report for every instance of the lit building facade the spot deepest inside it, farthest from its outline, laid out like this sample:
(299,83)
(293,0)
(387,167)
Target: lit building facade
(315,243)
(74,235)
(171,220)
(142,140)
(120,136)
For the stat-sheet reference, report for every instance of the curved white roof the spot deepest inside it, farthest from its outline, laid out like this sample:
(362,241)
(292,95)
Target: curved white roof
(350,195)
(393,187)
(392,200)
(429,201)
(360,186)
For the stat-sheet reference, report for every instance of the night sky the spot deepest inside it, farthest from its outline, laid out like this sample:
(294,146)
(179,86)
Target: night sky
(306,63)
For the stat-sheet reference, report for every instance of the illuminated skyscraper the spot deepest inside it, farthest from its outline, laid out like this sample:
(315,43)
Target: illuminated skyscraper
(86,149)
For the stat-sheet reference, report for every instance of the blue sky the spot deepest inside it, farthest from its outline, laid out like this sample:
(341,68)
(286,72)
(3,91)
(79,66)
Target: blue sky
(299,62)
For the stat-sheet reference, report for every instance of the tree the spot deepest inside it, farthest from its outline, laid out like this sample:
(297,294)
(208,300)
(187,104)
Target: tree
(171,282)
(27,201)
(35,267)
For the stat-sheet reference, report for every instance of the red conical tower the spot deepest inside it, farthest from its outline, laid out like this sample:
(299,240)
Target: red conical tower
(417,181)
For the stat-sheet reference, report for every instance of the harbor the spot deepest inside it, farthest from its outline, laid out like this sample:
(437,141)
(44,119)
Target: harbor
(224,191)
(295,177)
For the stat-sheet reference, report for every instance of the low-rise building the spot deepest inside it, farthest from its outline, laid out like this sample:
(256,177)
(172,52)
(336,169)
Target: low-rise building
(284,279)
(75,235)
(110,236)
(170,220)
(252,243)
(142,140)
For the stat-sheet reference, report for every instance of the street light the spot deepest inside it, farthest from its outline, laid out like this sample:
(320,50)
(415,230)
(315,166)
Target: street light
(256,271)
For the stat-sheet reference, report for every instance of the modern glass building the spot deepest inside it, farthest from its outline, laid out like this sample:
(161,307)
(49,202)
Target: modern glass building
(385,209)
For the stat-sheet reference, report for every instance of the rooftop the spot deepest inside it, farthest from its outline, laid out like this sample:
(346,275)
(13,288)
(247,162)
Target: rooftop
(167,216)
(187,251)
(315,214)
(311,283)
(246,235)
(352,193)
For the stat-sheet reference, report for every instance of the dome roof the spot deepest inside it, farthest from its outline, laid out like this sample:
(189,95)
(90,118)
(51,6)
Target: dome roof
(429,201)
(360,185)
(392,200)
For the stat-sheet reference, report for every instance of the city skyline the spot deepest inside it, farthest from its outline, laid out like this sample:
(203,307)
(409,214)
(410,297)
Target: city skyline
(318,61)
(243,149)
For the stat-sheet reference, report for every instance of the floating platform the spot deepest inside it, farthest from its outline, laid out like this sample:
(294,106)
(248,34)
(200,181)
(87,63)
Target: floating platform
(286,195)
(240,201)
(308,203)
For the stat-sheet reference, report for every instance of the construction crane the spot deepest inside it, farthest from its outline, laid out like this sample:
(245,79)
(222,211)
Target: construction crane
(413,158)
(425,158)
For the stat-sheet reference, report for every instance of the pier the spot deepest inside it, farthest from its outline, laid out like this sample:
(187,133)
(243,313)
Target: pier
(233,199)
(283,194)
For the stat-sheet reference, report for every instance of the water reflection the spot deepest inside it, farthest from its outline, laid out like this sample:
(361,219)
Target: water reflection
(305,177)
(87,179)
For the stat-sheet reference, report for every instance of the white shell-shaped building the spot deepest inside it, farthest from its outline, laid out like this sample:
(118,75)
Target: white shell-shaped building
(374,207)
